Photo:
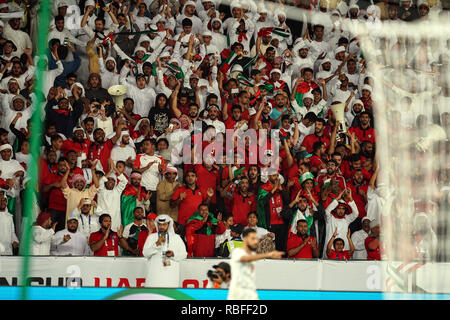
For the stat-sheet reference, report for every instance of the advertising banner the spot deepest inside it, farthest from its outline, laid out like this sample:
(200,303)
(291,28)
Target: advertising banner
(323,275)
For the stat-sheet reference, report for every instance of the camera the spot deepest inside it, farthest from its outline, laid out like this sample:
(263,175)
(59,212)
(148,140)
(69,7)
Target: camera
(214,274)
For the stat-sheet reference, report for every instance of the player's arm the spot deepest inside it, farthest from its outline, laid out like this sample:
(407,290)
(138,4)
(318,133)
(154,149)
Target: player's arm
(270,255)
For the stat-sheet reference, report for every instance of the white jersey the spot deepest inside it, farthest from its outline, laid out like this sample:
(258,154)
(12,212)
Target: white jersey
(242,285)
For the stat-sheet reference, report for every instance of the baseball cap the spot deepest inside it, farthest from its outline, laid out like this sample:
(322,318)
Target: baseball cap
(303,154)
(223,265)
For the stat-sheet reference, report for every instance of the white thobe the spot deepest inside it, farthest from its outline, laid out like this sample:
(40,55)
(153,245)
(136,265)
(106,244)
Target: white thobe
(159,275)
(109,200)
(21,39)
(144,99)
(358,239)
(8,168)
(41,241)
(76,246)
(342,224)
(7,233)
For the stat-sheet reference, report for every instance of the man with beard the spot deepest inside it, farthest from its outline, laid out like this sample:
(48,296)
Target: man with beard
(69,242)
(301,245)
(78,191)
(274,212)
(280,109)
(134,195)
(56,201)
(94,89)
(359,187)
(219,40)
(64,118)
(132,230)
(364,132)
(142,94)
(87,215)
(109,193)
(213,118)
(77,142)
(165,191)
(164,250)
(269,58)
(318,43)
(127,112)
(263,114)
(105,242)
(254,178)
(244,201)
(188,197)
(15,73)
(21,39)
(339,215)
(99,32)
(318,135)
(243,282)
(332,176)
(108,71)
(101,149)
(393,13)
(88,125)
(124,151)
(61,33)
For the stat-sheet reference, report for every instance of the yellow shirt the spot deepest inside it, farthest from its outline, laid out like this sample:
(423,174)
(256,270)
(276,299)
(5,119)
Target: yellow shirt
(74,196)
(94,67)
(164,192)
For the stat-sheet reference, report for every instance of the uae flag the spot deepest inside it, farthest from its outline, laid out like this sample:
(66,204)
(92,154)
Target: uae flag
(227,57)
(128,201)
(179,74)
(260,209)
(243,80)
(303,88)
(263,32)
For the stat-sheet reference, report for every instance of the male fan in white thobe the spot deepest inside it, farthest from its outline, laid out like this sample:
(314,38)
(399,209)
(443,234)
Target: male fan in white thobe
(164,251)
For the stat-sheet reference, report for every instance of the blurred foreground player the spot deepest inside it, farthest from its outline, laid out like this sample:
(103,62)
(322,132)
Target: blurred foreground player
(243,285)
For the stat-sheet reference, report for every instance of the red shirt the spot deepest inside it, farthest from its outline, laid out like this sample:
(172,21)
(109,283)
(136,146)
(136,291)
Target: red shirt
(207,179)
(56,200)
(242,206)
(188,205)
(364,134)
(288,172)
(276,205)
(372,254)
(110,244)
(230,123)
(315,162)
(343,255)
(294,240)
(102,152)
(75,146)
(310,139)
(359,200)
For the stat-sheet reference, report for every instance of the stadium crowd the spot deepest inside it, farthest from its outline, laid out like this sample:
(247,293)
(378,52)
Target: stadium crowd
(193,70)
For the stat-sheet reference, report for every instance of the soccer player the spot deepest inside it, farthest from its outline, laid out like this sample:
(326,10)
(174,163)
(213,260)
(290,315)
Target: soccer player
(243,285)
